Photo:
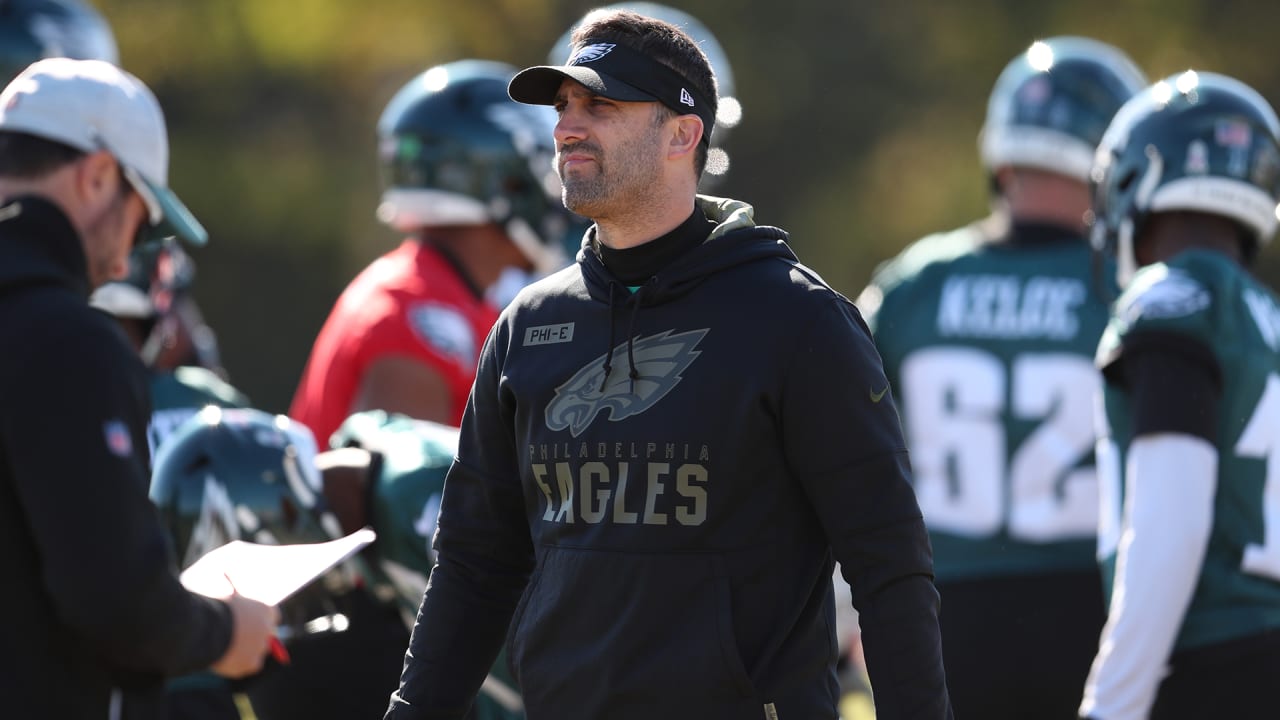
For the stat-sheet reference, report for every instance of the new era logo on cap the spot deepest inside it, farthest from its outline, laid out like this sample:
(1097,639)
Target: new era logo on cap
(591,52)
(685,97)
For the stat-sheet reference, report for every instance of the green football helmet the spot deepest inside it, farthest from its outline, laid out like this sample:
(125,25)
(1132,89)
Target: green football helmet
(156,296)
(454,149)
(157,272)
(729,109)
(35,29)
(239,474)
(1194,142)
(1052,103)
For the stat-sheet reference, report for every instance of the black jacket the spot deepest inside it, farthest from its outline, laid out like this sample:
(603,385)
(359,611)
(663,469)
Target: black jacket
(670,472)
(94,616)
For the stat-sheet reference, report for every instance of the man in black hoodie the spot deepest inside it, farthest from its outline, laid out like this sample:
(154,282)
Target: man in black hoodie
(668,444)
(95,617)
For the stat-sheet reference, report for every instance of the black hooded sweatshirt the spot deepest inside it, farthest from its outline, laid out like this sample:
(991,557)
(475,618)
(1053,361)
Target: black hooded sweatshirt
(651,485)
(95,617)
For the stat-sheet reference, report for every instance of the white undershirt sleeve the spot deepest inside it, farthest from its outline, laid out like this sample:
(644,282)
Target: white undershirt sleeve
(1168,516)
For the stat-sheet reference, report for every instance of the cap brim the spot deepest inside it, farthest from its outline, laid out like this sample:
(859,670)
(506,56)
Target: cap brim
(540,85)
(168,216)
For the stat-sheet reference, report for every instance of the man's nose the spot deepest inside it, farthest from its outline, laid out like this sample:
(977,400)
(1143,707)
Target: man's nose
(569,128)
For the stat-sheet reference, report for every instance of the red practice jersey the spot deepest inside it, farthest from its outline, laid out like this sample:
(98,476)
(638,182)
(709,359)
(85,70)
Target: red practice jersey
(409,303)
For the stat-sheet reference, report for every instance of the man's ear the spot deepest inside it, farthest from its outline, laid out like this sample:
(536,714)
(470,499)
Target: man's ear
(97,178)
(687,135)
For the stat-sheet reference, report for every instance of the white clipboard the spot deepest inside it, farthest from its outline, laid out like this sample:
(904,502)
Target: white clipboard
(268,573)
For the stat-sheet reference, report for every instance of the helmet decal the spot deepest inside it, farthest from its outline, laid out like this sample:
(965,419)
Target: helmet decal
(216,525)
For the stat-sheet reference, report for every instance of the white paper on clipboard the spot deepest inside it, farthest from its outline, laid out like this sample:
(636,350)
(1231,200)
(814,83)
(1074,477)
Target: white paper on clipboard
(269,573)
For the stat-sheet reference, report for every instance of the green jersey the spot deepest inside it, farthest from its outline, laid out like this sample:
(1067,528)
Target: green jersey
(404,501)
(1212,301)
(988,346)
(414,456)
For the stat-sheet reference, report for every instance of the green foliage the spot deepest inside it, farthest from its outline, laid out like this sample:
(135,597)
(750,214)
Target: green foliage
(859,129)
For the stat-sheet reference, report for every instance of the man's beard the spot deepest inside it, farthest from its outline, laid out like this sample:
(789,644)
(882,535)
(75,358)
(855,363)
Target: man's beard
(584,194)
(630,171)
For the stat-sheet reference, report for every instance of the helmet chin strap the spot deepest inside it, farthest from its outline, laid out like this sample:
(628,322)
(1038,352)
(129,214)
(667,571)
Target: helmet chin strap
(510,282)
(547,257)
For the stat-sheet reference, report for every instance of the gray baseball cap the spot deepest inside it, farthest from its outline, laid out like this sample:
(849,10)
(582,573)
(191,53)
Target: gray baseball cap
(93,105)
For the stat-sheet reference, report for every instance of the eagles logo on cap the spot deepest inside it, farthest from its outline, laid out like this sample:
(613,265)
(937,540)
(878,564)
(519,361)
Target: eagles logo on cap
(618,72)
(590,53)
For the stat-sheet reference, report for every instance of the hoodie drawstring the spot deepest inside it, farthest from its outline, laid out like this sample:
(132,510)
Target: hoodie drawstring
(631,336)
(608,350)
(631,330)
(633,372)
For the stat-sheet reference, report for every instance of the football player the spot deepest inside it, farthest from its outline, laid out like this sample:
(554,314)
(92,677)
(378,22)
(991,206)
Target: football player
(987,335)
(468,178)
(1188,178)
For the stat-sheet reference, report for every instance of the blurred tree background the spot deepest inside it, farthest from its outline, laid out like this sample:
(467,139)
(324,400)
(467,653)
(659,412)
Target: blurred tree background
(858,134)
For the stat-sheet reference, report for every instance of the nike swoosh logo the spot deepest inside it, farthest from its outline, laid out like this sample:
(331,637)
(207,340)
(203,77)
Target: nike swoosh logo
(876,396)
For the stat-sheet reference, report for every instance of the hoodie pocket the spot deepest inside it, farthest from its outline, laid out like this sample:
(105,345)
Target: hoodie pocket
(649,632)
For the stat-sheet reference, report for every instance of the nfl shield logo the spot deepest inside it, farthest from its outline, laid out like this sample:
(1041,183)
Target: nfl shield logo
(118,440)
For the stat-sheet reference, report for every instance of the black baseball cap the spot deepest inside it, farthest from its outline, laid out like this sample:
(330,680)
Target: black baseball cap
(617,72)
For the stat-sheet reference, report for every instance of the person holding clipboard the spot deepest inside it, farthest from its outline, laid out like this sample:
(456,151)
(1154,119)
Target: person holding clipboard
(97,616)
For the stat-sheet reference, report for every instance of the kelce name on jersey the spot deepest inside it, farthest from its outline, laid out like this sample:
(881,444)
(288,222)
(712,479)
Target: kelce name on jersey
(1009,306)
